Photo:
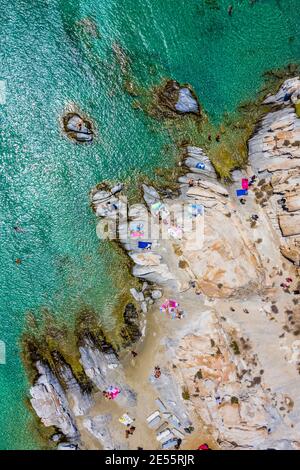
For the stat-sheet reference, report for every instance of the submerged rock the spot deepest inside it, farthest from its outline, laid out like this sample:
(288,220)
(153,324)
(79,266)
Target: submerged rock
(77,128)
(89,26)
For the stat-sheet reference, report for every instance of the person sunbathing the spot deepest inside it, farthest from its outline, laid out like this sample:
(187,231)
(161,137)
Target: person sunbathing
(157,372)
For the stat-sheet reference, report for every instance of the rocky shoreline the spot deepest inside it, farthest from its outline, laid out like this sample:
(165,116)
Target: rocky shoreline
(232,368)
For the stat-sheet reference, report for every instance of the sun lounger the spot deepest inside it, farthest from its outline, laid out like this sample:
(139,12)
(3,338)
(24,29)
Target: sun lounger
(169,444)
(161,436)
(174,421)
(154,419)
(162,427)
(152,416)
(177,433)
(160,404)
(155,422)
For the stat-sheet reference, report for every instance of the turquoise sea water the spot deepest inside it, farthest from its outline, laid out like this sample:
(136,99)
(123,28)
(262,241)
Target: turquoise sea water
(45,179)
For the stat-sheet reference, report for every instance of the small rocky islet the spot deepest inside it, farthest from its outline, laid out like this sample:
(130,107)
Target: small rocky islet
(218,365)
(171,99)
(77,128)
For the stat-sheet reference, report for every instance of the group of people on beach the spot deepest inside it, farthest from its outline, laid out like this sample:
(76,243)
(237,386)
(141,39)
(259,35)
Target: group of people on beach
(192,182)
(286,285)
(157,372)
(251,182)
(111,393)
(129,431)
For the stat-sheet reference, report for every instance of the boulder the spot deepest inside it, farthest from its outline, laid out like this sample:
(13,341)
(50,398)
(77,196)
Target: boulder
(97,364)
(67,446)
(75,124)
(80,400)
(117,188)
(288,93)
(100,196)
(138,296)
(77,128)
(150,194)
(158,274)
(138,211)
(156,294)
(50,403)
(186,102)
(176,99)
(291,251)
(289,224)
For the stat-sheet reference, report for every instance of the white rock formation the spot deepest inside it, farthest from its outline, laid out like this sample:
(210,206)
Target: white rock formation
(50,403)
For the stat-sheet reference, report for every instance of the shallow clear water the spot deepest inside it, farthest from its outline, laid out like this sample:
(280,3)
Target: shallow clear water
(45,179)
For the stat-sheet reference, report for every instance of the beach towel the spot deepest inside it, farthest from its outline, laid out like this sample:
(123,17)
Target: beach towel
(245,183)
(241,192)
(125,419)
(113,392)
(144,245)
(164,306)
(135,234)
(136,230)
(169,305)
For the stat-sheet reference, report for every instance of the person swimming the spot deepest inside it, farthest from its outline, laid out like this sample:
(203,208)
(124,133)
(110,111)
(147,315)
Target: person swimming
(18,229)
